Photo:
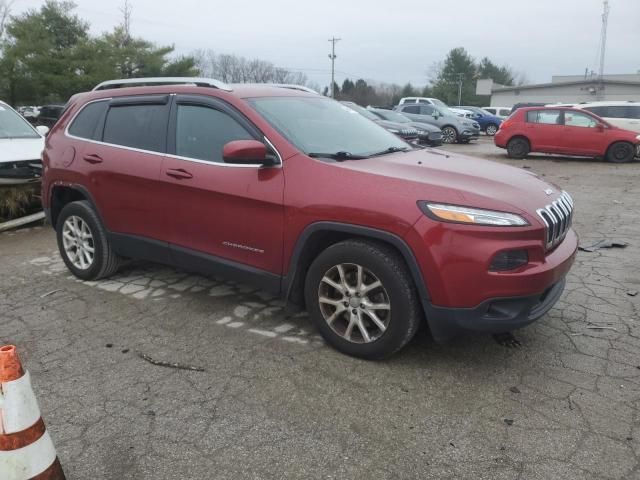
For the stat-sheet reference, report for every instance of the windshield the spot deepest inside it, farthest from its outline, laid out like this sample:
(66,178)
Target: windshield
(361,110)
(12,125)
(439,103)
(392,116)
(322,125)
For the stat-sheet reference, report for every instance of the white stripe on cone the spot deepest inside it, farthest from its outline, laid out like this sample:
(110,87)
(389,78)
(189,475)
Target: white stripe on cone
(18,405)
(25,463)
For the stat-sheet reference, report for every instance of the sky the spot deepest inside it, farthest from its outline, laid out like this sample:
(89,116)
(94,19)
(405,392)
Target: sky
(386,41)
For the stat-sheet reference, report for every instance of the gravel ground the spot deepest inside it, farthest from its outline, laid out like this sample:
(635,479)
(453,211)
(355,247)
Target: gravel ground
(275,402)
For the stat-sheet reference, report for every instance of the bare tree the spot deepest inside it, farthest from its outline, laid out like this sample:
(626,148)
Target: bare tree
(126,10)
(5,10)
(236,69)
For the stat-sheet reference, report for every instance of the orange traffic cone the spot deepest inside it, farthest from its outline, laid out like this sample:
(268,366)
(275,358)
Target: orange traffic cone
(26,449)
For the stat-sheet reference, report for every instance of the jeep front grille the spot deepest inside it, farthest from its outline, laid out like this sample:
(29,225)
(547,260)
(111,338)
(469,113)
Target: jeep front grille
(557,217)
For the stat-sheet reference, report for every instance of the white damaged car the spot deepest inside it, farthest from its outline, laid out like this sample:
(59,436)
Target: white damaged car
(21,147)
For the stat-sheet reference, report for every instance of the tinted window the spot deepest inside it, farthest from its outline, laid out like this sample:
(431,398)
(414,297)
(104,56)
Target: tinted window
(600,111)
(410,100)
(411,109)
(548,117)
(426,110)
(201,132)
(492,111)
(86,122)
(574,119)
(137,126)
(634,111)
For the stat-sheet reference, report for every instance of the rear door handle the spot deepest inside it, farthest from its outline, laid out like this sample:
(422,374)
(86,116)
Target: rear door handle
(92,158)
(178,173)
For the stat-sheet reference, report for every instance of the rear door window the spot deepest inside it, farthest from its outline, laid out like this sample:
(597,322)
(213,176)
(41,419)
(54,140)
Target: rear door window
(411,109)
(85,125)
(634,112)
(547,117)
(505,112)
(142,126)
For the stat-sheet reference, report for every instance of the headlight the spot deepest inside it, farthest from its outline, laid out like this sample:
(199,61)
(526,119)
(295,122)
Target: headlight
(393,131)
(475,216)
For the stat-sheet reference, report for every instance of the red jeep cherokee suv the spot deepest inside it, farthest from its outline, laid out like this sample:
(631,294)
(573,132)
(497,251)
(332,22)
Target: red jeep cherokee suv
(565,131)
(305,197)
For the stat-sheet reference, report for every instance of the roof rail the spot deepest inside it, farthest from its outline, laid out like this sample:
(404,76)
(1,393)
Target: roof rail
(290,86)
(145,81)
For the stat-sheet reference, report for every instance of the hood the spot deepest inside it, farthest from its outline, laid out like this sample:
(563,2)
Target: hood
(395,125)
(17,149)
(457,179)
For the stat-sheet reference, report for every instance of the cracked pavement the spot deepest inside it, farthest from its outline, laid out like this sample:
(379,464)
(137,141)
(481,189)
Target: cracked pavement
(276,402)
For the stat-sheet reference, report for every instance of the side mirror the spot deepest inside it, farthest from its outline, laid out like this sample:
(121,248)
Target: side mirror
(435,114)
(42,129)
(245,152)
(600,127)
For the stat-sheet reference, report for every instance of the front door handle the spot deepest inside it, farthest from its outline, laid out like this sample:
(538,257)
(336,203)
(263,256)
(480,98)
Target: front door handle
(92,158)
(178,173)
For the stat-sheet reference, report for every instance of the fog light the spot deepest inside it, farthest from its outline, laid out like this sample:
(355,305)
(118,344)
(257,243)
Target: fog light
(508,260)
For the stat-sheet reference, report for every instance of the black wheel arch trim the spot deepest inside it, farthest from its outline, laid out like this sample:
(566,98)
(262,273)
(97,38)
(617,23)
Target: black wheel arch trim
(80,188)
(289,279)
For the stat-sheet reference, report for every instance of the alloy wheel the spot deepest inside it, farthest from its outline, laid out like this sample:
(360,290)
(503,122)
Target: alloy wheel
(491,130)
(354,303)
(78,243)
(448,135)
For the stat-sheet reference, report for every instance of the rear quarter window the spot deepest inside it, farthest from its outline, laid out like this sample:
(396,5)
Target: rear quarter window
(137,126)
(85,124)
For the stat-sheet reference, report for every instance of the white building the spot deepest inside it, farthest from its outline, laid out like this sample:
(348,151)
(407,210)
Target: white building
(564,89)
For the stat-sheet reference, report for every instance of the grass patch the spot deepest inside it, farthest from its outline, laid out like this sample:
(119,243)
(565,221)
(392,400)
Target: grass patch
(19,200)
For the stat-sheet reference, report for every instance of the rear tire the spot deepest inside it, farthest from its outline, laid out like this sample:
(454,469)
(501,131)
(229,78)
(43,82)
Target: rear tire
(83,242)
(354,314)
(621,152)
(518,148)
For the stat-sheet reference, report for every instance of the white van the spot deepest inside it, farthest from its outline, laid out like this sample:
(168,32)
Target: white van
(621,114)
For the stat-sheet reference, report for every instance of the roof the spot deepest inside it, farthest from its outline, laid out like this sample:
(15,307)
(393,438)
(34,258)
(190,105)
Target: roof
(564,84)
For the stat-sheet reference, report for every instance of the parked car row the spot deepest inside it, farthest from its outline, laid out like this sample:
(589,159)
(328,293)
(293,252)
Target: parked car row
(46,115)
(566,131)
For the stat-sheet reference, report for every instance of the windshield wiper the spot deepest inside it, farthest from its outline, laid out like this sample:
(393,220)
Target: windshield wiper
(390,150)
(340,156)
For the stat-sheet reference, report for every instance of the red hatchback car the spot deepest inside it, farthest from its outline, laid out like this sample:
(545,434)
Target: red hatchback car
(565,131)
(303,196)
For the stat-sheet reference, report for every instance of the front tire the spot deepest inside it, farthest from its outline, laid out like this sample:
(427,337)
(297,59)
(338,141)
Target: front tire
(362,299)
(621,152)
(449,135)
(83,242)
(491,130)
(518,148)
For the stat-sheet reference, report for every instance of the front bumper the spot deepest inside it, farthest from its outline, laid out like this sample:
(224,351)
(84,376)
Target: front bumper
(496,315)
(468,134)
(431,138)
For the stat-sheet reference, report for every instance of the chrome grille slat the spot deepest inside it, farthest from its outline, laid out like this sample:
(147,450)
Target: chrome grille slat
(557,218)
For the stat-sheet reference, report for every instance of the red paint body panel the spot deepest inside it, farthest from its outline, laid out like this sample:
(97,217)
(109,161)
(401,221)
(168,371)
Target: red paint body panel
(255,216)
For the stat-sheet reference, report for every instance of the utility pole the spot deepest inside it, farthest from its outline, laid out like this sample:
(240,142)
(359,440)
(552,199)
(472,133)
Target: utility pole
(332,56)
(460,80)
(603,47)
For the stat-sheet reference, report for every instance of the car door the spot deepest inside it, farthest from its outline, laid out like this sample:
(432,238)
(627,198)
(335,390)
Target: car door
(545,129)
(232,212)
(582,134)
(426,112)
(123,164)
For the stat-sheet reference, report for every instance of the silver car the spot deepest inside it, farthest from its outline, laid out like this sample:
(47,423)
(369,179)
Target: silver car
(454,128)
